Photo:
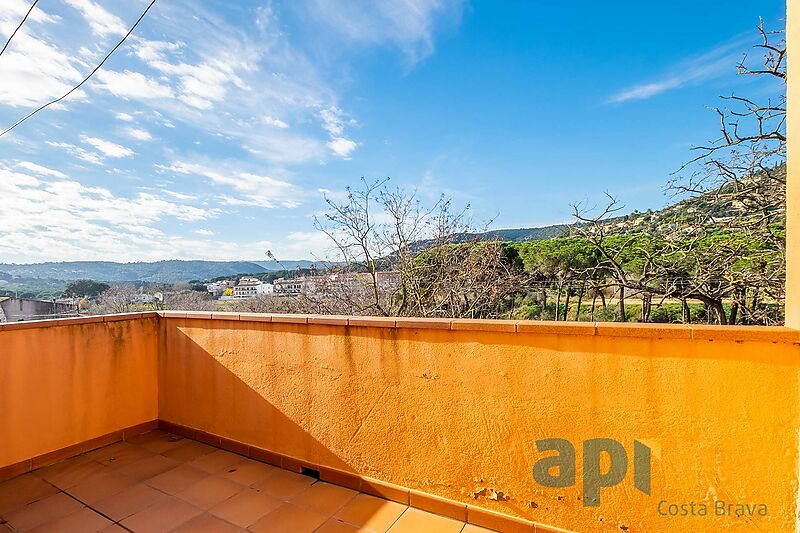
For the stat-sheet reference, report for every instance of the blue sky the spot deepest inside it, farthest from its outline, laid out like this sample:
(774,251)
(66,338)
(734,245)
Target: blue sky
(213,131)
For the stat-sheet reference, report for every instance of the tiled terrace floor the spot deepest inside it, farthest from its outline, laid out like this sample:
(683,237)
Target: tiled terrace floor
(161,482)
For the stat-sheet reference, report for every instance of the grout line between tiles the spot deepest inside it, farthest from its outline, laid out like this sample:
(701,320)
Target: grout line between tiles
(88,506)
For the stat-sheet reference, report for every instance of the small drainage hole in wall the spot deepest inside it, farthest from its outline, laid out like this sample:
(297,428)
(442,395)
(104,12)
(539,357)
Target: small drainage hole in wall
(310,472)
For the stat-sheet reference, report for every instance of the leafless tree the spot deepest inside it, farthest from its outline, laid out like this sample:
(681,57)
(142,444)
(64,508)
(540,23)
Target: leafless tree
(739,181)
(438,265)
(116,299)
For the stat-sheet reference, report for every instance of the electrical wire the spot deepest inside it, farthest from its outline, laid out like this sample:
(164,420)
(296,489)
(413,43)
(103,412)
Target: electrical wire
(18,27)
(92,73)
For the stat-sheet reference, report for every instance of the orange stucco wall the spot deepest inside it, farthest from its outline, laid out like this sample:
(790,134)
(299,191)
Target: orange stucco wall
(452,412)
(62,385)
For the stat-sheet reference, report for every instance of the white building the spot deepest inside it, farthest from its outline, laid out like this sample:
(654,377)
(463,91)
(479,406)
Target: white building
(340,283)
(249,287)
(217,288)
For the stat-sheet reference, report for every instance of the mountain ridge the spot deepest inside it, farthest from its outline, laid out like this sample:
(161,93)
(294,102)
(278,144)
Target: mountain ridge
(166,271)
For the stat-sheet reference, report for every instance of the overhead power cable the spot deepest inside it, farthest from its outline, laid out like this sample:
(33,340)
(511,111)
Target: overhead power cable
(18,27)
(92,73)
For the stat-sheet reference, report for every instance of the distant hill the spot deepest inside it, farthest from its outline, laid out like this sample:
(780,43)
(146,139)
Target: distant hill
(521,234)
(274,266)
(156,272)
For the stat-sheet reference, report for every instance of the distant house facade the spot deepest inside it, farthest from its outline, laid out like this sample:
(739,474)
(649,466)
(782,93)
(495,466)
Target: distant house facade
(249,287)
(340,283)
(218,288)
(19,309)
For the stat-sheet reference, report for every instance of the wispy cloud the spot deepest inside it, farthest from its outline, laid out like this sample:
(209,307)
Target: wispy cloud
(77,151)
(77,221)
(250,189)
(333,123)
(99,19)
(108,148)
(33,69)
(408,25)
(138,133)
(692,71)
(40,170)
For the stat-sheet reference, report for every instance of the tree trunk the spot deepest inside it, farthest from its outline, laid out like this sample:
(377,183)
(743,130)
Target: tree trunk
(566,304)
(544,303)
(755,303)
(580,301)
(719,308)
(622,317)
(685,311)
(558,302)
(734,313)
(594,302)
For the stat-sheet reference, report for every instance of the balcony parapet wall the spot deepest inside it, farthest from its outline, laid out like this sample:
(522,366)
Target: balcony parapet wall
(773,334)
(446,408)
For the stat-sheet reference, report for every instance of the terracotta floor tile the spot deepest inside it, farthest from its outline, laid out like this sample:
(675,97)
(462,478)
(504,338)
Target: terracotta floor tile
(216,461)
(284,485)
(162,517)
(147,468)
(113,528)
(324,498)
(472,528)
(336,526)
(188,450)
(129,502)
(371,512)
(176,479)
(23,490)
(100,486)
(289,518)
(119,454)
(42,511)
(414,520)
(70,472)
(128,456)
(246,508)
(106,451)
(83,521)
(206,523)
(157,441)
(249,472)
(210,491)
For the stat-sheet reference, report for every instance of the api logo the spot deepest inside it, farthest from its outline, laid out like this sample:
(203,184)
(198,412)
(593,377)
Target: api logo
(593,478)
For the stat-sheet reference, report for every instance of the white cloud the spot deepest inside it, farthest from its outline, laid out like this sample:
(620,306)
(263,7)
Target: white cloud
(215,83)
(278,123)
(33,70)
(138,134)
(333,123)
(179,195)
(39,169)
(77,151)
(342,147)
(100,21)
(710,65)
(129,84)
(125,117)
(204,232)
(409,25)
(253,189)
(67,220)
(108,148)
